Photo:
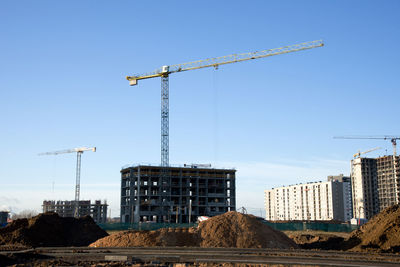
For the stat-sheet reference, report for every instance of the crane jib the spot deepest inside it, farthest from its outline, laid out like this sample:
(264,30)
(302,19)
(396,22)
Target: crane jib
(215,62)
(165,70)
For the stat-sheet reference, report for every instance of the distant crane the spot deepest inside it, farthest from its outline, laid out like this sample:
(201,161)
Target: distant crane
(79,151)
(165,71)
(384,137)
(392,139)
(358,154)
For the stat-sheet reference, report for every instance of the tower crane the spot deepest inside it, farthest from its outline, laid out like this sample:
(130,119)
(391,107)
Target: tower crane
(215,62)
(392,139)
(358,154)
(79,151)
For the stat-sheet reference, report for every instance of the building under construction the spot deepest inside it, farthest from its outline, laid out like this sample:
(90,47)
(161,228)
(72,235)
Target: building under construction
(97,210)
(175,194)
(388,175)
(375,184)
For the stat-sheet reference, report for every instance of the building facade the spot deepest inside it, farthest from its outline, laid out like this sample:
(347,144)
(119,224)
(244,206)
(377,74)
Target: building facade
(364,187)
(96,210)
(175,194)
(375,185)
(388,175)
(318,201)
(347,195)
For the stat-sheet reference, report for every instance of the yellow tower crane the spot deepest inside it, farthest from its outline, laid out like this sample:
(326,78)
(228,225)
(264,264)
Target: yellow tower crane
(215,62)
(79,151)
(358,154)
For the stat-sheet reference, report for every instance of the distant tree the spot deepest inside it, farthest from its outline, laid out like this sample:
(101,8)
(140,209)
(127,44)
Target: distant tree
(24,214)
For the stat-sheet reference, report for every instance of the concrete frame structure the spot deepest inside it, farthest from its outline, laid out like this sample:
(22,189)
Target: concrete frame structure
(375,185)
(97,210)
(317,201)
(388,175)
(187,192)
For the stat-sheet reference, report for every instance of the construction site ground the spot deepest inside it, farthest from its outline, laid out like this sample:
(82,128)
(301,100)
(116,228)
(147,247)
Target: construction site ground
(230,239)
(186,256)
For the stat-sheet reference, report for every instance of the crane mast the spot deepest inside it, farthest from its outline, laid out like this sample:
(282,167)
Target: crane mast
(79,151)
(215,62)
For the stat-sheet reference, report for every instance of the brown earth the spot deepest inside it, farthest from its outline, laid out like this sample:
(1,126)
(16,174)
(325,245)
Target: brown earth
(162,237)
(49,229)
(231,229)
(318,239)
(381,233)
(234,229)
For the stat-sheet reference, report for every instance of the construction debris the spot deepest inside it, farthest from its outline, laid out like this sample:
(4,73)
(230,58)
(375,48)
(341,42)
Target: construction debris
(49,229)
(231,229)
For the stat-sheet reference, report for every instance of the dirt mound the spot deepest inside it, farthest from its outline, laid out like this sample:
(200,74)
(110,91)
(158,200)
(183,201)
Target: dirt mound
(49,229)
(322,241)
(234,229)
(381,233)
(162,237)
(231,229)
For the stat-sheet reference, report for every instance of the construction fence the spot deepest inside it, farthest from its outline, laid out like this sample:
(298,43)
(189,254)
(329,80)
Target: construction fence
(288,226)
(314,226)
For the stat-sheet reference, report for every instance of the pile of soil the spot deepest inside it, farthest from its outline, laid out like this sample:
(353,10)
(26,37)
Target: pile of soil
(158,238)
(231,229)
(381,233)
(318,240)
(234,229)
(49,229)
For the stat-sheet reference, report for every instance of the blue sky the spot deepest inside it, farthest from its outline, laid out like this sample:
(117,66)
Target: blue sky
(62,85)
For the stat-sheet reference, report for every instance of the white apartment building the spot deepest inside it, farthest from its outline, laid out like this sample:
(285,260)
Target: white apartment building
(317,201)
(364,187)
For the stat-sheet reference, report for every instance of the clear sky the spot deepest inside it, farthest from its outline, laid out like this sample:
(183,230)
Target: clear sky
(62,85)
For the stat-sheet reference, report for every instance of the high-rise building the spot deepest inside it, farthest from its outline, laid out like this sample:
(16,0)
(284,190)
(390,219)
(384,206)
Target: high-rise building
(364,187)
(175,194)
(388,175)
(96,210)
(318,201)
(347,197)
(375,185)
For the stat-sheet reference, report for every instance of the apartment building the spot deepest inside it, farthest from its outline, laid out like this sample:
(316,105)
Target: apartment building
(347,196)
(317,201)
(388,175)
(96,210)
(175,194)
(375,185)
(364,187)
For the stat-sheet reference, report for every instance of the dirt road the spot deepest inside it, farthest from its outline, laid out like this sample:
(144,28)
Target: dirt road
(173,256)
